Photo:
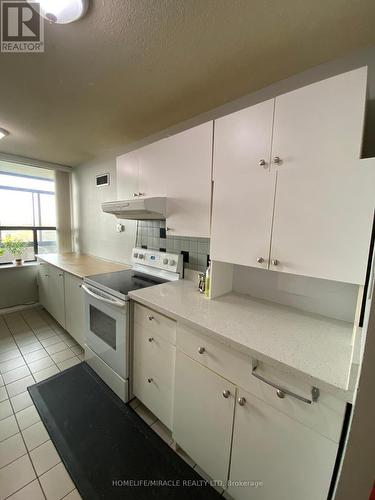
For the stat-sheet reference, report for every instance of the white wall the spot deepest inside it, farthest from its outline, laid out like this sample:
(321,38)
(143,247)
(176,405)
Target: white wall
(95,232)
(97,235)
(18,286)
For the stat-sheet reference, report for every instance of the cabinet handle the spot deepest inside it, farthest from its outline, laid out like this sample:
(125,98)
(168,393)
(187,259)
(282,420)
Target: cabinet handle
(150,318)
(226,394)
(149,380)
(275,262)
(262,163)
(168,229)
(201,350)
(260,260)
(60,274)
(277,160)
(241,401)
(141,194)
(282,392)
(150,339)
(135,194)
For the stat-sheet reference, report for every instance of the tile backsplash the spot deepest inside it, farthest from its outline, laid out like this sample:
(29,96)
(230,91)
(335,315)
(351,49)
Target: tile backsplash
(152,234)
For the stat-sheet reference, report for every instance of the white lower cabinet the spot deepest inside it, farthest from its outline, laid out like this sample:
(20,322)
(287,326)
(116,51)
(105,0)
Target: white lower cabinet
(61,295)
(154,362)
(203,416)
(290,460)
(74,308)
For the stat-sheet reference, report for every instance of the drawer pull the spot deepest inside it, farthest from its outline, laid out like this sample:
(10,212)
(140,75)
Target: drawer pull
(149,380)
(241,401)
(282,392)
(226,394)
(150,318)
(150,339)
(201,350)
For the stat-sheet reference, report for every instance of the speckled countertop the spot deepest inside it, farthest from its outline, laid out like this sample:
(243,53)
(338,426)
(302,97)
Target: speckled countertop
(318,347)
(81,265)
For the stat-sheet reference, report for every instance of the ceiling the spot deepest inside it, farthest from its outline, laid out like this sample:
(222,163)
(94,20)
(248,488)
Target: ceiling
(131,68)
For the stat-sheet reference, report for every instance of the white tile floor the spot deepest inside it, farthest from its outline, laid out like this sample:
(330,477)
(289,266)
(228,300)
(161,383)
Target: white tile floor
(34,347)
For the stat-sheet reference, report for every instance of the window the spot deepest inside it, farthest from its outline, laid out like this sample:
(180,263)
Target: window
(27,210)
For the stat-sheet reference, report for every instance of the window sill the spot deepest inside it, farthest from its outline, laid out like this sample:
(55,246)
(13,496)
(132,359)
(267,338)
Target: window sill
(12,266)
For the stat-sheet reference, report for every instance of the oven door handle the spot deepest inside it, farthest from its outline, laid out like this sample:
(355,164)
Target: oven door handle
(113,301)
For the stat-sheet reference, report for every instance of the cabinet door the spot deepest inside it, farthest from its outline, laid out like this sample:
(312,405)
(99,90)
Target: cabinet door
(325,195)
(127,173)
(57,294)
(43,281)
(179,167)
(291,460)
(203,417)
(244,187)
(74,308)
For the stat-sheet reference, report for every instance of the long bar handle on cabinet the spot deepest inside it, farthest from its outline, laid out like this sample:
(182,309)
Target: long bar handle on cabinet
(281,391)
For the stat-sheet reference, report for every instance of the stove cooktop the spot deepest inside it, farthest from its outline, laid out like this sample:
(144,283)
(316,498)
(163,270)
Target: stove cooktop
(120,283)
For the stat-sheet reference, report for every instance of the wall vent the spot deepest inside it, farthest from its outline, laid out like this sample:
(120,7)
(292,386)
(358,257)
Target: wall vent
(102,180)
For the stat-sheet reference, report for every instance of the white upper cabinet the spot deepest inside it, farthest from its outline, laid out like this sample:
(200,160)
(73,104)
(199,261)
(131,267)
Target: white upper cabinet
(127,172)
(325,195)
(178,167)
(323,201)
(244,186)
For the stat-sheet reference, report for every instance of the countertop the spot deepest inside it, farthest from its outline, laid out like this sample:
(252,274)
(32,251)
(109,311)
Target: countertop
(81,265)
(318,347)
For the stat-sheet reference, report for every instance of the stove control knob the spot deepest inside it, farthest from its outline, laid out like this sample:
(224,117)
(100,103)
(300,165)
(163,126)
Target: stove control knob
(135,255)
(172,262)
(141,256)
(165,261)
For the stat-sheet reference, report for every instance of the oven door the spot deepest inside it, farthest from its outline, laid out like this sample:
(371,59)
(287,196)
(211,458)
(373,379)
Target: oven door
(107,328)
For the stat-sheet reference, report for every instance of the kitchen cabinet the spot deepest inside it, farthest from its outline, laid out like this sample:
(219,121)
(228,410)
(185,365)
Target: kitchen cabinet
(203,416)
(60,293)
(244,187)
(56,294)
(324,194)
(290,460)
(74,308)
(154,362)
(179,168)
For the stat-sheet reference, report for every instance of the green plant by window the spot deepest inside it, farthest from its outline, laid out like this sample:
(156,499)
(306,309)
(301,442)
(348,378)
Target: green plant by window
(15,246)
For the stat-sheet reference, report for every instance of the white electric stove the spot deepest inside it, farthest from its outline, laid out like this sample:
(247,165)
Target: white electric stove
(107,342)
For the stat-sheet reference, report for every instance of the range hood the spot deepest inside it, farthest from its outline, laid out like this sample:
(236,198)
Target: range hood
(137,209)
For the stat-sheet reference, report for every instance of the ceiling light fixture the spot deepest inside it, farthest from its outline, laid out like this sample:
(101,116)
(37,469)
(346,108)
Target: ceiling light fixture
(63,11)
(3,133)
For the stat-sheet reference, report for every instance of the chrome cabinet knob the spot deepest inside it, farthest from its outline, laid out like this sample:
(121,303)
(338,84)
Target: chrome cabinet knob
(226,394)
(280,394)
(274,262)
(141,194)
(150,339)
(149,380)
(260,260)
(135,194)
(201,350)
(150,318)
(241,401)
(276,160)
(262,163)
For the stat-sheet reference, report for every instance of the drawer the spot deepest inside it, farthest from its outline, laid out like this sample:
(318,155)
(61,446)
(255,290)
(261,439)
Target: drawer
(153,373)
(325,416)
(218,357)
(156,323)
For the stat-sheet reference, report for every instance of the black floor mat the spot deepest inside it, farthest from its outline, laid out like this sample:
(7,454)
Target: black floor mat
(103,441)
